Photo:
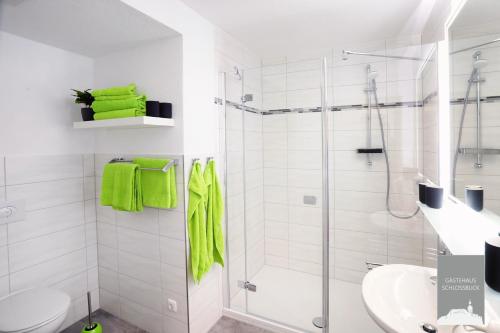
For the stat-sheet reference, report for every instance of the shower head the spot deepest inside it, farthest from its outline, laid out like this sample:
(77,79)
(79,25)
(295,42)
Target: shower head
(237,73)
(480,63)
(345,55)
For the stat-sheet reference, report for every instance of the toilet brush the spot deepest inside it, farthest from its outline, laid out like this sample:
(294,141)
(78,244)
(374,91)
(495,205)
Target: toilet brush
(91,326)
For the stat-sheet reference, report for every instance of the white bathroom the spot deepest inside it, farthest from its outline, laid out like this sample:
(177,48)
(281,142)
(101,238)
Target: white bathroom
(249,167)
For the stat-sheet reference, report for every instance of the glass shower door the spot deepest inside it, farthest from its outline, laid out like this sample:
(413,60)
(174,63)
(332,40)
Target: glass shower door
(282,140)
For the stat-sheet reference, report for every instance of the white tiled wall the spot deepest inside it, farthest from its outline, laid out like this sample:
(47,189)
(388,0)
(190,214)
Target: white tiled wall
(292,170)
(461,67)
(361,228)
(142,261)
(55,244)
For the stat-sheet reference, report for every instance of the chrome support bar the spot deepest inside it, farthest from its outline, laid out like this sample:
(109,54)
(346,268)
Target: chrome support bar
(326,201)
(482,151)
(347,52)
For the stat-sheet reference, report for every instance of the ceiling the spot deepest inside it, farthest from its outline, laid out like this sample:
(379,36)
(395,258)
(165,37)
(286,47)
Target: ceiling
(282,27)
(477,17)
(90,27)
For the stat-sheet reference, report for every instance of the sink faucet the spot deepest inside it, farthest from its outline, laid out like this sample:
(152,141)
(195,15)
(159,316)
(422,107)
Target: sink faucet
(372,265)
(426,327)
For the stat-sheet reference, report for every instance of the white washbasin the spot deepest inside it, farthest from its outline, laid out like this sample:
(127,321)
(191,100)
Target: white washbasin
(400,298)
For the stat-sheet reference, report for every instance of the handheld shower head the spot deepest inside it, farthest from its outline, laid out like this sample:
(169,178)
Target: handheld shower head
(372,75)
(480,63)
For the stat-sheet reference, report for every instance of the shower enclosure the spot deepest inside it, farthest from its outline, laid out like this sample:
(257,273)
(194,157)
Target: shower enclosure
(306,181)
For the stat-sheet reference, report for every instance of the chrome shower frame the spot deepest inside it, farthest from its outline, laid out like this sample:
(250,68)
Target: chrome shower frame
(345,53)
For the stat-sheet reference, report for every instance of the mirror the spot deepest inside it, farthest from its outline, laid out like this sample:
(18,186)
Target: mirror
(474,39)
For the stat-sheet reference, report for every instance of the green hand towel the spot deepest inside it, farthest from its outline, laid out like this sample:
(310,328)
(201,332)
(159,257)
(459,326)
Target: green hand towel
(197,223)
(137,102)
(121,187)
(215,211)
(119,114)
(114,91)
(158,188)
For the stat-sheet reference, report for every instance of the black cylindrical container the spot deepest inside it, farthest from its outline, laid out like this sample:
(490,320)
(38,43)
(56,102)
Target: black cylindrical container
(421,192)
(474,197)
(152,108)
(434,196)
(166,110)
(87,114)
(492,263)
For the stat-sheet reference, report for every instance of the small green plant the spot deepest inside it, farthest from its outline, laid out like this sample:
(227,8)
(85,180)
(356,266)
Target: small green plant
(83,97)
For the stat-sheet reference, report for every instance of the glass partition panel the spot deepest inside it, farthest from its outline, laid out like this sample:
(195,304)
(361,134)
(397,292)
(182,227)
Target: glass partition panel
(475,91)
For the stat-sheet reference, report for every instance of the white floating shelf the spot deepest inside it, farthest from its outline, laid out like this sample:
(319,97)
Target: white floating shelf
(132,122)
(462,229)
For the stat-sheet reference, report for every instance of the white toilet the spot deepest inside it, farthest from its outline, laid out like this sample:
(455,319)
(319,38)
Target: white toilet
(36,311)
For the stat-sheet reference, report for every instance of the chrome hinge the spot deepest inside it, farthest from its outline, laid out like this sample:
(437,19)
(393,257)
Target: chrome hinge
(247,285)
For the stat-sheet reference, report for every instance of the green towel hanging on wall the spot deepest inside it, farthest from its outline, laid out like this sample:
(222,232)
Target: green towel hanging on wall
(215,211)
(197,223)
(159,189)
(121,187)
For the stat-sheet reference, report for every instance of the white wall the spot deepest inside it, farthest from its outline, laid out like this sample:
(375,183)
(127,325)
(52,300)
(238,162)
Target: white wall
(156,68)
(142,261)
(37,107)
(434,29)
(55,245)
(198,70)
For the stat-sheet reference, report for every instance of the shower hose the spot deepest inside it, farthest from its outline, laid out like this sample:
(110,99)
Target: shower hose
(388,168)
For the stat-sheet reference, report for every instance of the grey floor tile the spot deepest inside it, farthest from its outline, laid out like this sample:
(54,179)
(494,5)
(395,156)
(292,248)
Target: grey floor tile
(110,324)
(228,325)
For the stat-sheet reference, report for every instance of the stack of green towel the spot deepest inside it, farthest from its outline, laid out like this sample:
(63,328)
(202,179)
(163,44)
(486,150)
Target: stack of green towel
(118,102)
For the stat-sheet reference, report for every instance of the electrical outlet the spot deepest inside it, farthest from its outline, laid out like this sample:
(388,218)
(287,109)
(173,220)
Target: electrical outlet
(172,305)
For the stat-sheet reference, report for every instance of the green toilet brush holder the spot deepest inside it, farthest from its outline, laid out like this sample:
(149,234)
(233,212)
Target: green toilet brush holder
(91,327)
